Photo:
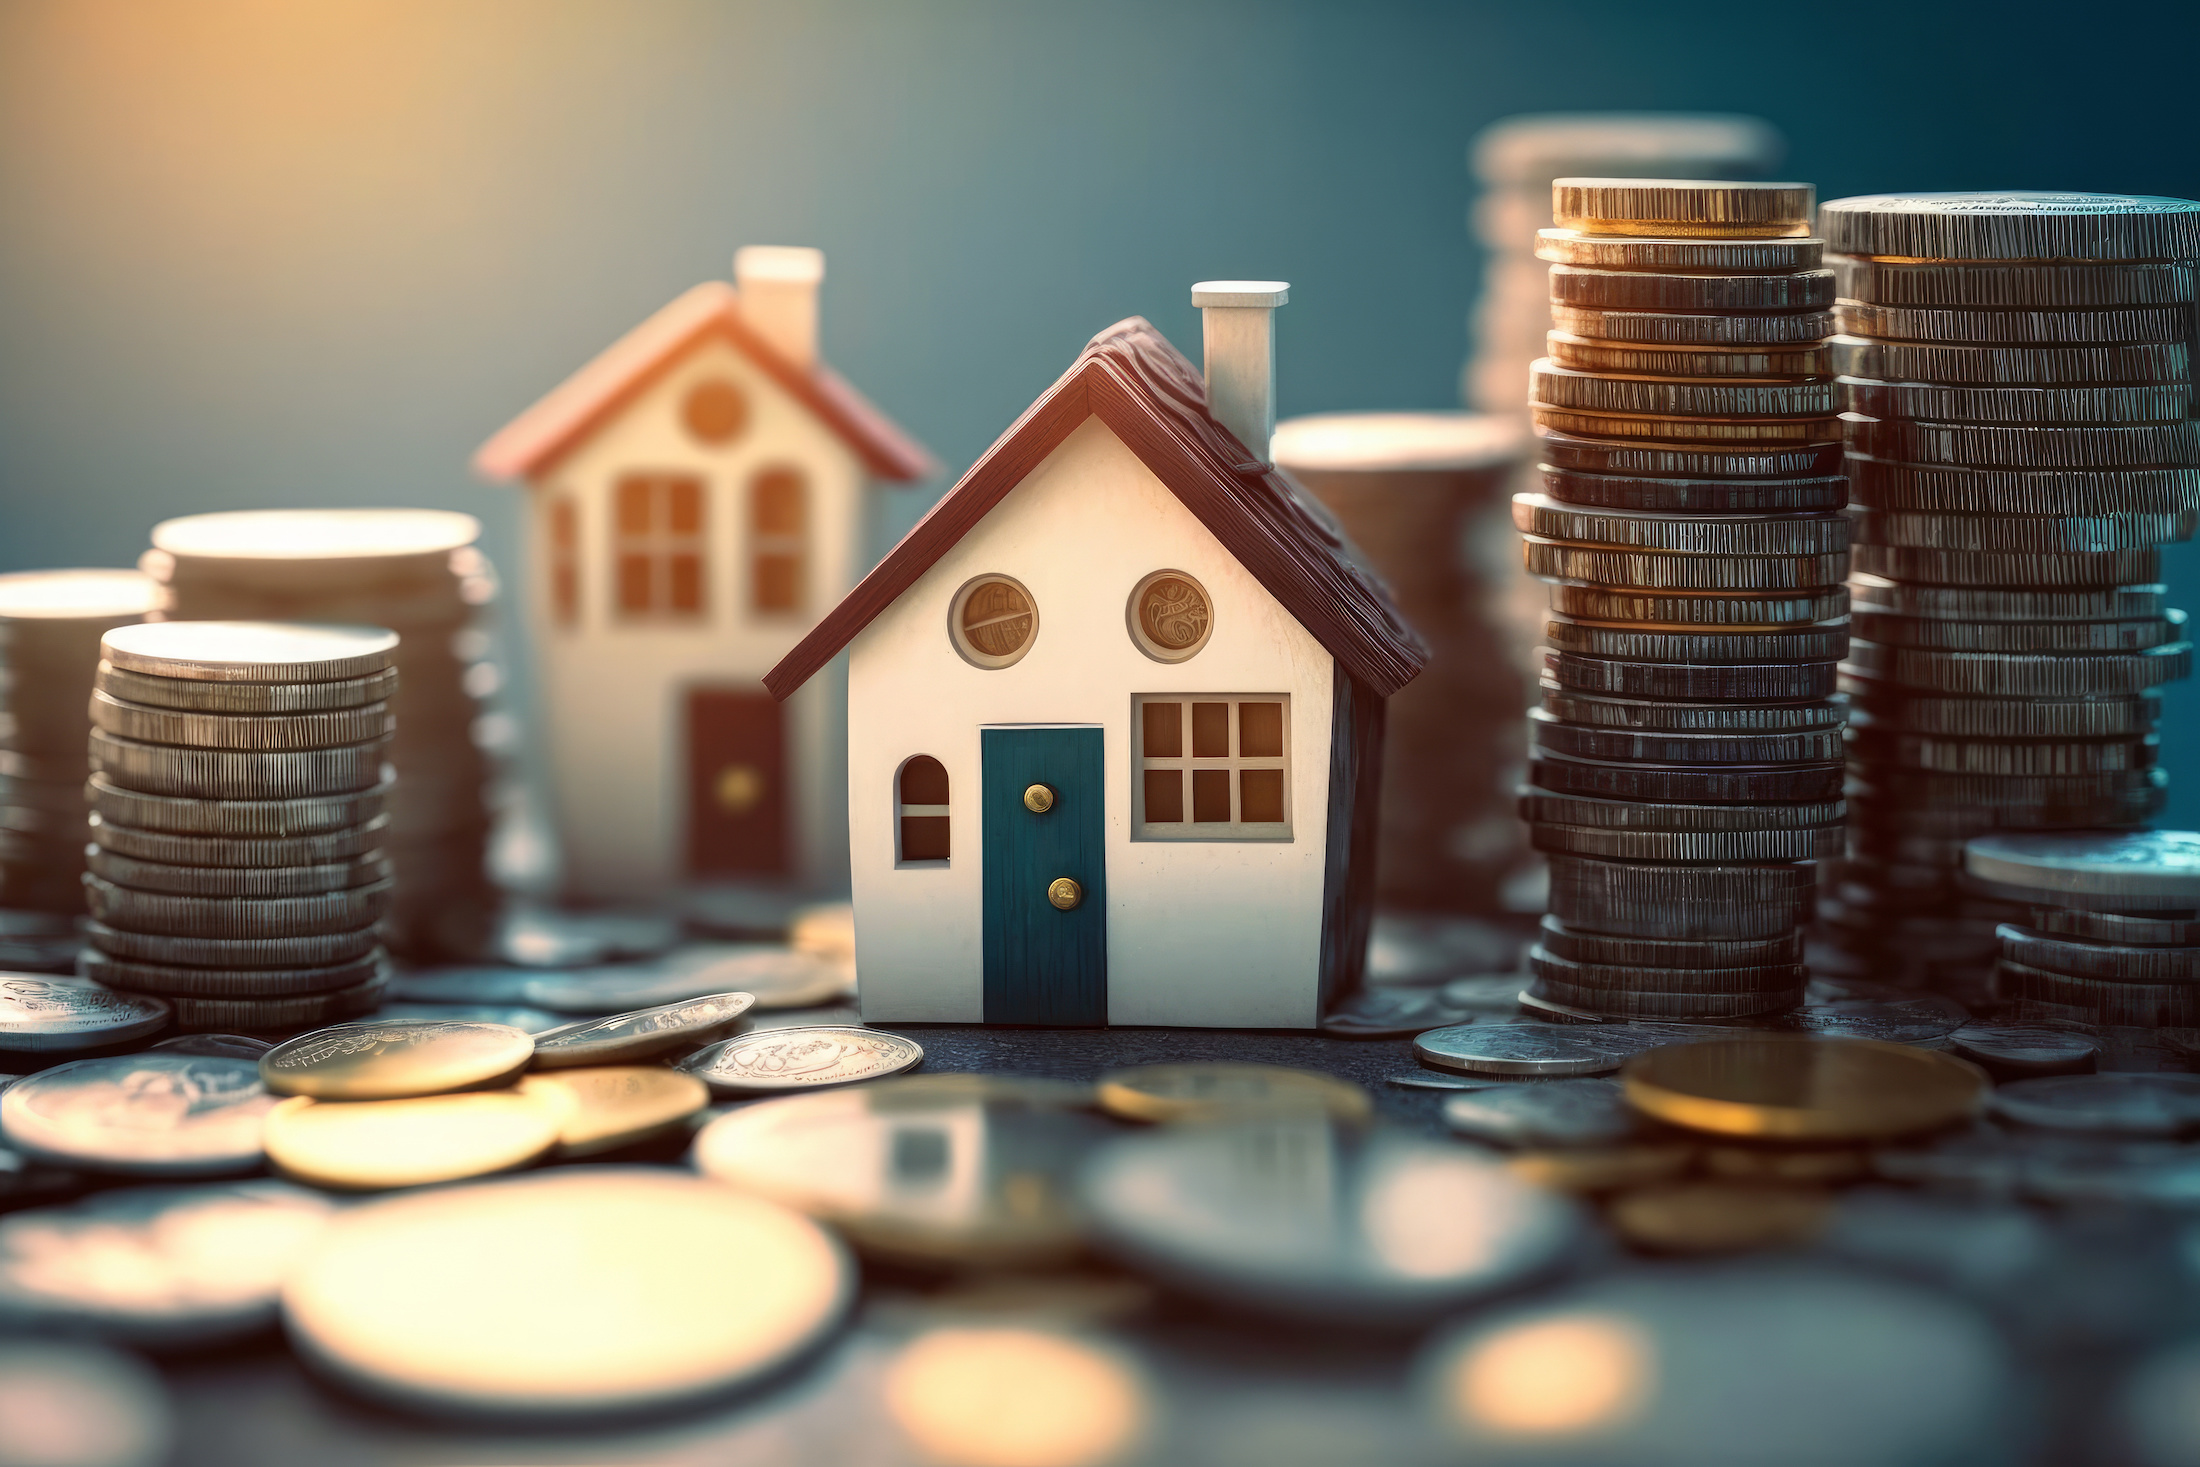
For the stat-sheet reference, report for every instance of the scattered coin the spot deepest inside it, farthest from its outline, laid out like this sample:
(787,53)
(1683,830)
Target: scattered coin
(1719,1217)
(1539,1049)
(80,1405)
(154,1114)
(1559,1113)
(55,1015)
(1005,1394)
(1440,1080)
(366,1145)
(530,1021)
(1592,1169)
(214,1046)
(2122,1104)
(605,1108)
(1802,1088)
(1214,1090)
(2134,868)
(386,1061)
(644,1034)
(439,1301)
(808,1058)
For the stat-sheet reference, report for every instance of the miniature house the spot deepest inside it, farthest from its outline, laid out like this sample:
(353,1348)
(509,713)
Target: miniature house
(1115,712)
(700,496)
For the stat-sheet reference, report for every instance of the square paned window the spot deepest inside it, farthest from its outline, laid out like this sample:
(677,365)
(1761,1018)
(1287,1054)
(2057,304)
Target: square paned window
(1211,766)
(657,556)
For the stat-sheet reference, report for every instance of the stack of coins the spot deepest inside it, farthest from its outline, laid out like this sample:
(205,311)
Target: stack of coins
(2112,937)
(2018,378)
(237,790)
(50,625)
(418,573)
(1687,770)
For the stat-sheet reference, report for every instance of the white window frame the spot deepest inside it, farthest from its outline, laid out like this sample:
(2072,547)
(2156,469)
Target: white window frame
(1212,830)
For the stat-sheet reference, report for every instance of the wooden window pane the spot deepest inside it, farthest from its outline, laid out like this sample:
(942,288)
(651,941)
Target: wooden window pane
(565,590)
(924,781)
(687,506)
(687,583)
(1260,796)
(923,837)
(778,583)
(1164,731)
(633,583)
(565,528)
(1211,731)
(634,497)
(1210,795)
(776,503)
(1164,795)
(1260,731)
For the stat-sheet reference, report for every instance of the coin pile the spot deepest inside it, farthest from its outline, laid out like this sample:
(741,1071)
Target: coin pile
(2018,381)
(1686,773)
(2113,935)
(50,625)
(418,573)
(238,788)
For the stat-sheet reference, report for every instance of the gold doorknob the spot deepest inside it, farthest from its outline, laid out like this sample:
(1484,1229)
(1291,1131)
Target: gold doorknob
(1038,798)
(1064,893)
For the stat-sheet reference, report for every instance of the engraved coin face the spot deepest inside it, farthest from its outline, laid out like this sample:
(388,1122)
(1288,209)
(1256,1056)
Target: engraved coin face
(802,1059)
(437,1300)
(39,1013)
(1541,1049)
(153,1114)
(385,1061)
(643,1034)
(997,618)
(1172,614)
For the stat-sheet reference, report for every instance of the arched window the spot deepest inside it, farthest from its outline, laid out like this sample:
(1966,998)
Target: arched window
(778,526)
(921,803)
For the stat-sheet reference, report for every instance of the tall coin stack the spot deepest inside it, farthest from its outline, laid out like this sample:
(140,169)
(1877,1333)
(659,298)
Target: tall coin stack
(2018,377)
(1687,770)
(50,626)
(417,572)
(238,788)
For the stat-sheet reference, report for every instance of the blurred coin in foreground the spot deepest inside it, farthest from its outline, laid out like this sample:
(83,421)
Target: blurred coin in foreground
(1298,1215)
(1213,1090)
(1802,1088)
(385,1061)
(2117,1104)
(643,1034)
(808,1058)
(602,1109)
(154,1114)
(1005,1396)
(1718,1217)
(158,1265)
(364,1145)
(2014,1050)
(71,1405)
(667,1288)
(1581,1112)
(931,1169)
(42,1014)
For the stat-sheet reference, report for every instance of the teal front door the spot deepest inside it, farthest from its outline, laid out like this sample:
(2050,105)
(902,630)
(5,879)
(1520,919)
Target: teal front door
(1046,908)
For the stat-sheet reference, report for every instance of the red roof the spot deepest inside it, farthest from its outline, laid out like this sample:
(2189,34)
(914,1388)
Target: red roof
(1156,402)
(535,440)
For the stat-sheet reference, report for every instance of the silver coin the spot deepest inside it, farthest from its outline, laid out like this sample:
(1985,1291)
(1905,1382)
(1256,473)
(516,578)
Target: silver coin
(2115,927)
(1561,1113)
(236,774)
(1971,445)
(1293,1216)
(1924,1019)
(2109,962)
(1591,741)
(176,983)
(1886,705)
(625,1039)
(1536,1049)
(43,1014)
(2025,1049)
(1652,816)
(1552,385)
(2119,1104)
(1726,534)
(152,1114)
(526,1020)
(810,1058)
(1945,635)
(236,881)
(1948,489)
(1682,609)
(245,699)
(258,819)
(1918,361)
(2015,406)
(215,850)
(162,949)
(165,1266)
(229,731)
(2007,674)
(1659,570)
(2000,603)
(2117,1002)
(1681,682)
(1561,450)
(395,1060)
(1439,1080)
(2013,226)
(1389,1013)
(2130,325)
(1695,496)
(1816,843)
(1695,982)
(235,917)
(1579,946)
(218,1046)
(2048,570)
(2161,866)
(2013,285)
(2021,533)
(249,652)
(1826,641)
(1652,714)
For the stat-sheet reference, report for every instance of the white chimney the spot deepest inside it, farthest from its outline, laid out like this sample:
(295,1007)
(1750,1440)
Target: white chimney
(778,285)
(1241,355)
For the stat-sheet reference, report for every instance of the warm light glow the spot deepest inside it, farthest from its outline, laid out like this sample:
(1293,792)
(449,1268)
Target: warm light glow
(1015,1398)
(1440,1216)
(1550,1377)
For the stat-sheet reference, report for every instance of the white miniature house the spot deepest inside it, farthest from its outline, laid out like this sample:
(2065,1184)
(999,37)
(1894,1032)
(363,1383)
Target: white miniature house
(1115,712)
(699,497)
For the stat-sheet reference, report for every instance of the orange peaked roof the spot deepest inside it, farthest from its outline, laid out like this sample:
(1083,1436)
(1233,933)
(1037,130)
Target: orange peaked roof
(565,416)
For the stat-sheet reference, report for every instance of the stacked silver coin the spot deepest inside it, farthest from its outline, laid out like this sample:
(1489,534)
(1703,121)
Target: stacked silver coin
(2112,932)
(418,573)
(2018,379)
(50,625)
(1687,764)
(239,785)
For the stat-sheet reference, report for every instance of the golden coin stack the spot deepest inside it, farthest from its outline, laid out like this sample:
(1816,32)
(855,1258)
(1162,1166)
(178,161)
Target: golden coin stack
(1686,775)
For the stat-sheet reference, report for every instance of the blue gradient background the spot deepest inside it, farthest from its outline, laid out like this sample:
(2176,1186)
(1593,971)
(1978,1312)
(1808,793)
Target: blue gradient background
(257,253)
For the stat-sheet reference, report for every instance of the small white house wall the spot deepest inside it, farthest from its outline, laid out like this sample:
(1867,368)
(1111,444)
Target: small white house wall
(614,692)
(1223,934)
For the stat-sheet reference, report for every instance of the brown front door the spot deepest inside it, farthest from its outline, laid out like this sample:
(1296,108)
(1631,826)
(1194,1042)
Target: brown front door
(737,783)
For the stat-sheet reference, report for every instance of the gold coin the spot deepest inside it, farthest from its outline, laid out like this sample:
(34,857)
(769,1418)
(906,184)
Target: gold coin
(1682,207)
(1601,1169)
(1801,1087)
(388,1060)
(570,1293)
(1786,1163)
(605,1107)
(1017,1397)
(931,1169)
(1718,1217)
(1639,426)
(364,1145)
(1206,1091)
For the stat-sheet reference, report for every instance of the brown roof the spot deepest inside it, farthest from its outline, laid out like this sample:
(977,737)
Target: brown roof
(1156,402)
(535,440)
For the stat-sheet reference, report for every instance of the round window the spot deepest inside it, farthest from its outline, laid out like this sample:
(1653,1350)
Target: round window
(993,621)
(715,410)
(1170,616)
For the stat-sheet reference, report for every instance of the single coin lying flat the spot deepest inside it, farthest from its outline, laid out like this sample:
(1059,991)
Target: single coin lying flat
(386,1061)
(1212,1090)
(643,1034)
(809,1058)
(367,1145)
(1580,1112)
(2127,1104)
(160,1113)
(47,1015)
(603,1109)
(1798,1087)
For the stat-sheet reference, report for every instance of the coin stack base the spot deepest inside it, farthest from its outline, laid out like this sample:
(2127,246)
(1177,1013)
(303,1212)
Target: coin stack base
(1687,767)
(238,789)
(2016,374)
